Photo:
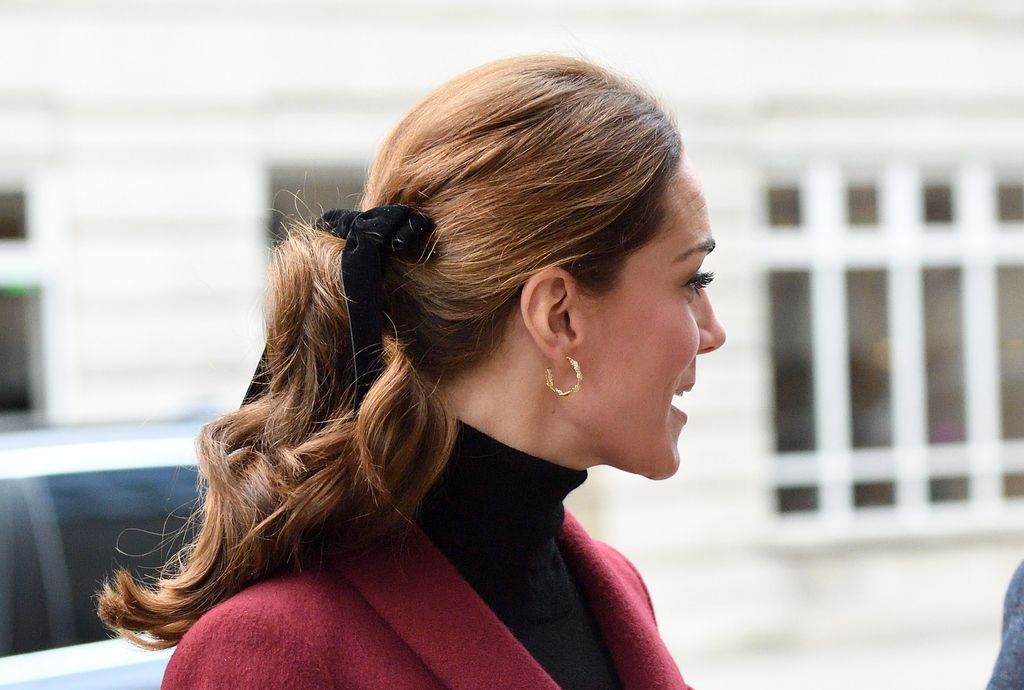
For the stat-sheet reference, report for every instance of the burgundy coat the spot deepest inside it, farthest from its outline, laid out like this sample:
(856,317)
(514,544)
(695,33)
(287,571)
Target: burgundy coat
(404,618)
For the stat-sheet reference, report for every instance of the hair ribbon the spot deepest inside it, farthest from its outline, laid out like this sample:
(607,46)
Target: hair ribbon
(368,235)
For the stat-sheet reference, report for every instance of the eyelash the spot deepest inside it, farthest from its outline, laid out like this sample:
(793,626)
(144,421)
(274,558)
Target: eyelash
(701,280)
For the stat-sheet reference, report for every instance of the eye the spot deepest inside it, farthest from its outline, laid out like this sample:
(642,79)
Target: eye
(699,281)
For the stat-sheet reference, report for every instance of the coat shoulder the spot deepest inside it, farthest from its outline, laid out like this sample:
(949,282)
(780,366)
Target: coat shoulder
(309,631)
(270,634)
(626,571)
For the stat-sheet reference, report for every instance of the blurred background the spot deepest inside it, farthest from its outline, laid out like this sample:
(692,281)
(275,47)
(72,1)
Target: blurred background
(850,505)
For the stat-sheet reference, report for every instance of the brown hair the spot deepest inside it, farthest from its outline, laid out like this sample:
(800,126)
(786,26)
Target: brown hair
(523,163)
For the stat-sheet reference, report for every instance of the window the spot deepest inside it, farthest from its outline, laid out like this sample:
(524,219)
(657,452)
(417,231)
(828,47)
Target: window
(784,205)
(861,204)
(304,194)
(1010,201)
(19,310)
(791,342)
(867,318)
(897,335)
(69,532)
(944,365)
(937,198)
(20,317)
(1010,284)
(12,216)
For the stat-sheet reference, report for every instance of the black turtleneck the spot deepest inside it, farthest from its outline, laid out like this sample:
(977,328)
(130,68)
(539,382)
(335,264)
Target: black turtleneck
(495,514)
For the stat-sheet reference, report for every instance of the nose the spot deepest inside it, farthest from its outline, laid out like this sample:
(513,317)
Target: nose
(712,333)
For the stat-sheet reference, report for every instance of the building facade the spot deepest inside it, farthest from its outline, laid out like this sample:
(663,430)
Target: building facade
(848,508)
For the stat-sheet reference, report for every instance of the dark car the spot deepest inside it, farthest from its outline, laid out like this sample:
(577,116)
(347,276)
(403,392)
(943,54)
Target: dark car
(75,505)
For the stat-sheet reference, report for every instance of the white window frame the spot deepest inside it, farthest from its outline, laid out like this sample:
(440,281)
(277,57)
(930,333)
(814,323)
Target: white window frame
(42,261)
(827,247)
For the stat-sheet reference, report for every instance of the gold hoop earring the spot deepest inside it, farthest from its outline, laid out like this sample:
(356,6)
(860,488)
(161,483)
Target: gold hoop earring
(579,378)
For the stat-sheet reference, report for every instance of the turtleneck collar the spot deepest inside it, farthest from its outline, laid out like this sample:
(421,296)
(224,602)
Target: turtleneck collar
(496,502)
(495,514)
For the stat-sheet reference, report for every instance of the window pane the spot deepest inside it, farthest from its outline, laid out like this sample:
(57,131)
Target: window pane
(127,518)
(1011,202)
(300,194)
(797,499)
(19,322)
(946,489)
(868,328)
(784,206)
(12,216)
(1011,348)
(862,205)
(791,358)
(874,494)
(27,625)
(1013,485)
(938,203)
(944,355)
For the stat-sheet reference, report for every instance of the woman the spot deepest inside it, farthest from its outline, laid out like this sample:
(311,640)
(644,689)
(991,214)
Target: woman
(524,299)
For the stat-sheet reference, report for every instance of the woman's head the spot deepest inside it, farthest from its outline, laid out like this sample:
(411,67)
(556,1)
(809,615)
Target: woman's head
(522,164)
(636,344)
(538,163)
(531,168)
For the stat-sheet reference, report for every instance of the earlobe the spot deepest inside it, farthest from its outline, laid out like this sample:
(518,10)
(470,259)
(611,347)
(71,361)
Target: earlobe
(549,305)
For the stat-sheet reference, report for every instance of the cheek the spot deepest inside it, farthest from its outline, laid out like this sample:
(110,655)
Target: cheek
(661,341)
(673,338)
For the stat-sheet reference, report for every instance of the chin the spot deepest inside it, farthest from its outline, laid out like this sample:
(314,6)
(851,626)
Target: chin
(664,473)
(662,470)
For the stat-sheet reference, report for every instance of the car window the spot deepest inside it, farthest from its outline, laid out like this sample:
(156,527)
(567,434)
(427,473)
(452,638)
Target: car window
(69,532)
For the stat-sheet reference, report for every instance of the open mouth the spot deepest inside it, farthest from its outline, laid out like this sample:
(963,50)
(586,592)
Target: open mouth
(676,412)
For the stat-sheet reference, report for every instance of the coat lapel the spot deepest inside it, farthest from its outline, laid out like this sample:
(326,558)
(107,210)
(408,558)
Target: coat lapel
(622,612)
(422,597)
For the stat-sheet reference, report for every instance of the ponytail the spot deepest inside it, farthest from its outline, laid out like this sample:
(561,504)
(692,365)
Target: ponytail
(295,475)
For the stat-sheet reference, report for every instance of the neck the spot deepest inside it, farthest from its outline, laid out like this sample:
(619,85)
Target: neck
(496,499)
(495,513)
(507,399)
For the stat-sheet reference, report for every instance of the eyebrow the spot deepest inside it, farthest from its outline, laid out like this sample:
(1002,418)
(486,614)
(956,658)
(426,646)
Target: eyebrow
(707,246)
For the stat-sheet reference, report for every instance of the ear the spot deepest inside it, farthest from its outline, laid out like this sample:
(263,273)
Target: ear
(552,308)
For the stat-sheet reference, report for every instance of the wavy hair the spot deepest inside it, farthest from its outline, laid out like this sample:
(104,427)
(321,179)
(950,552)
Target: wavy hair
(522,163)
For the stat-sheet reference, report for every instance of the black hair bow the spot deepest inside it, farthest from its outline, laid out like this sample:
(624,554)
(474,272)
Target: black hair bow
(394,228)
